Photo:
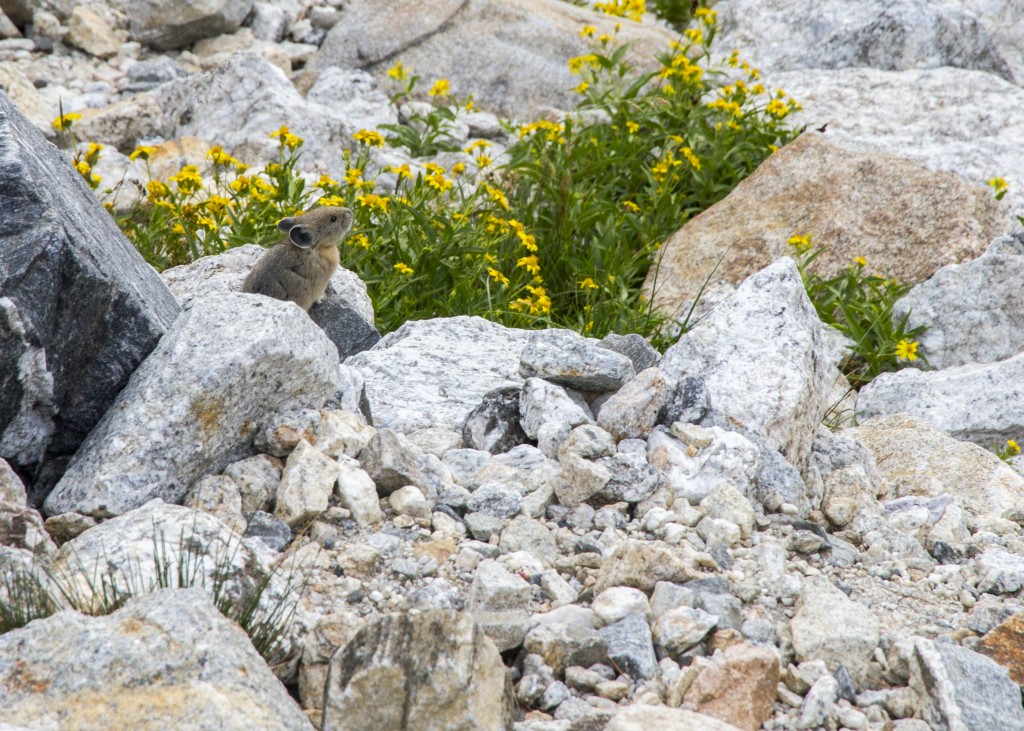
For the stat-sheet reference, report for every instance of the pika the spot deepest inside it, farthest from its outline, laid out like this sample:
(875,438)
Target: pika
(299,266)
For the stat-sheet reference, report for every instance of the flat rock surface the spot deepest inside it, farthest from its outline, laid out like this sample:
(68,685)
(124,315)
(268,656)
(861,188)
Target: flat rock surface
(435,372)
(166,660)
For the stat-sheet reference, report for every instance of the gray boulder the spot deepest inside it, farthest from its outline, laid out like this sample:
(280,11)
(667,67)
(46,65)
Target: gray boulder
(571,360)
(230,363)
(974,311)
(435,372)
(166,660)
(79,307)
(435,671)
(963,690)
(494,425)
(510,56)
(881,34)
(978,402)
(167,26)
(764,359)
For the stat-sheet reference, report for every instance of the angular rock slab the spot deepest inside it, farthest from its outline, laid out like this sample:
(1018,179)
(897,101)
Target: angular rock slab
(981,402)
(917,459)
(210,106)
(511,56)
(228,363)
(432,671)
(963,690)
(569,359)
(966,122)
(905,219)
(435,372)
(165,660)
(974,311)
(881,34)
(764,358)
(166,26)
(79,307)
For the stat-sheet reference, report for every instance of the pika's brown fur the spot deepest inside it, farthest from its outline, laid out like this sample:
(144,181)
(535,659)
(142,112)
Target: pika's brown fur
(298,267)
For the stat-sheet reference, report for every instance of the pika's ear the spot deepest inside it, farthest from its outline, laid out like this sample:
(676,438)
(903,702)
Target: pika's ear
(301,236)
(285,224)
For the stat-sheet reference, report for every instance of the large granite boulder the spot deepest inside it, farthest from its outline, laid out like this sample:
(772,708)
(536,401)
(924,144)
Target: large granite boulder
(229,364)
(165,660)
(79,307)
(432,671)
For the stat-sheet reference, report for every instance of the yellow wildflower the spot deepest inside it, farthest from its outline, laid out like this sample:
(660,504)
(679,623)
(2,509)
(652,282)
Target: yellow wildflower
(353,176)
(156,190)
(581,88)
(632,127)
(358,240)
(1012,447)
(696,35)
(906,350)
(483,160)
(777,108)
(530,263)
(188,179)
(578,63)
(497,196)
(398,72)
(177,229)
(458,168)
(588,283)
(588,31)
(143,151)
(860,261)
(439,182)
(631,206)
(369,138)
(477,144)
(497,276)
(440,88)
(706,15)
(999,186)
(402,268)
(286,138)
(800,243)
(325,181)
(220,157)
(64,122)
(372,201)
(331,200)
(217,203)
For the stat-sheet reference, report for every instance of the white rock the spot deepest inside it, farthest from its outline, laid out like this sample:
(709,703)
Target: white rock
(167,26)
(1000,572)
(832,627)
(931,115)
(306,485)
(356,492)
(499,602)
(679,629)
(730,458)
(257,479)
(974,311)
(977,402)
(193,405)
(613,604)
(435,372)
(342,433)
(409,501)
(764,358)
(12,491)
(542,402)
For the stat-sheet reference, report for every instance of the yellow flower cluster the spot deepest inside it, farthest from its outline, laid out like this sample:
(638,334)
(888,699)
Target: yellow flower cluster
(223,159)
(632,9)
(441,87)
(64,122)
(537,304)
(369,138)
(143,151)
(398,72)
(553,130)
(578,63)
(999,186)
(800,243)
(435,178)
(906,350)
(286,138)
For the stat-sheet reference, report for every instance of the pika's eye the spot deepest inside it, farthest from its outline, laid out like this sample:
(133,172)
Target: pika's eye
(333,219)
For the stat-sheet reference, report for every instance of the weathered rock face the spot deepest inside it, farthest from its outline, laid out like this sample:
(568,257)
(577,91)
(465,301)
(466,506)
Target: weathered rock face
(228,364)
(168,26)
(434,671)
(765,339)
(974,311)
(932,115)
(906,220)
(879,34)
(241,102)
(917,459)
(831,627)
(79,308)
(1005,645)
(646,718)
(435,372)
(738,686)
(962,689)
(166,660)
(510,56)
(979,402)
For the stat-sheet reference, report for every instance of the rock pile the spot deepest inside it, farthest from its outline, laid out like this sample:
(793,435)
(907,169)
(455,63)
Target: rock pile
(466,526)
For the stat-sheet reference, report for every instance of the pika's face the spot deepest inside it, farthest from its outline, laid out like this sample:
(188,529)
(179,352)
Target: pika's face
(324,226)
